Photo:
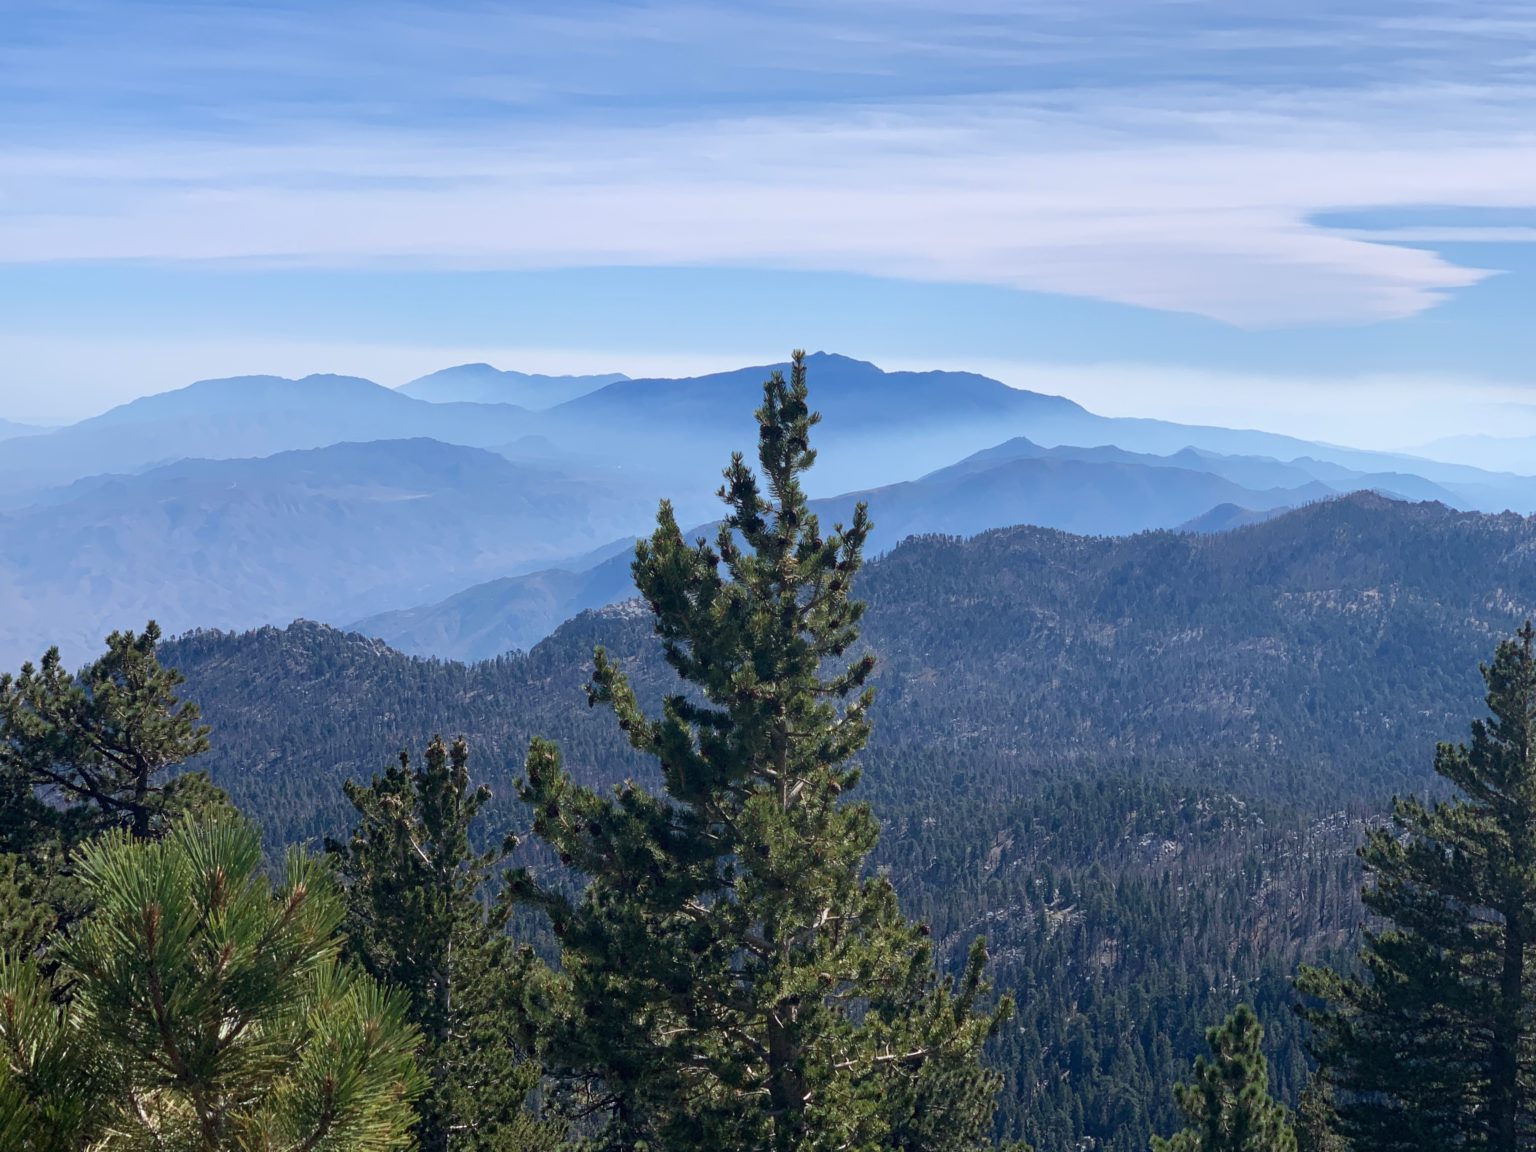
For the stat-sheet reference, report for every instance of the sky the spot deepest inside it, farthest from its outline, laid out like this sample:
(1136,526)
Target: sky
(1318,220)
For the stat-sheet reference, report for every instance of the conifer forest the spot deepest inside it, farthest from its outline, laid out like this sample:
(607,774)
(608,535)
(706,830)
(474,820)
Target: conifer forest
(1162,842)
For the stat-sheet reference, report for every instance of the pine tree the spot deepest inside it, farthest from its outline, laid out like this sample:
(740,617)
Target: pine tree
(733,979)
(1316,1121)
(418,921)
(199,1011)
(107,737)
(81,753)
(1228,1106)
(1430,1044)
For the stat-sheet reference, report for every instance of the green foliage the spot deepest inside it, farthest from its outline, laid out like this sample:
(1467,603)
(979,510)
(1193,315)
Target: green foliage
(1309,659)
(733,978)
(1228,1107)
(53,1079)
(199,1010)
(1317,1121)
(105,738)
(417,922)
(1430,1042)
(1126,915)
(82,753)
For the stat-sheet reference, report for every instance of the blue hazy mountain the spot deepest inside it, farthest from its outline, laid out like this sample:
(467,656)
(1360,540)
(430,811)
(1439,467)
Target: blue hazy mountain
(246,416)
(498,616)
(331,533)
(483,384)
(882,427)
(879,428)
(1227,518)
(105,528)
(1514,453)
(9,429)
(1018,651)
(1093,491)
(1248,471)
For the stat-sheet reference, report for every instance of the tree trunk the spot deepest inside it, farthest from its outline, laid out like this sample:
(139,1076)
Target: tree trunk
(1504,1086)
(141,802)
(786,1087)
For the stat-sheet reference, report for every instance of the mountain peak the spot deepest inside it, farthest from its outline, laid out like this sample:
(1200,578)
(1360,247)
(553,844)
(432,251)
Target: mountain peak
(481,383)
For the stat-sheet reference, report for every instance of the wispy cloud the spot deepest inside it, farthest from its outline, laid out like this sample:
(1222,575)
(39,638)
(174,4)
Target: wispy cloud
(1168,154)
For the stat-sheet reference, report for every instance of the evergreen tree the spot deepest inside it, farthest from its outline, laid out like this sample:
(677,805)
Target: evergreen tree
(199,1011)
(53,1082)
(1228,1106)
(417,921)
(81,753)
(1430,1044)
(732,977)
(105,738)
(1316,1121)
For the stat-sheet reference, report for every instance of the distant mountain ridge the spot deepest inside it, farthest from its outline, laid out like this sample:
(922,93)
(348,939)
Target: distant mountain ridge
(247,416)
(879,428)
(188,505)
(331,532)
(483,384)
(1130,760)
(10,429)
(1228,518)
(1101,491)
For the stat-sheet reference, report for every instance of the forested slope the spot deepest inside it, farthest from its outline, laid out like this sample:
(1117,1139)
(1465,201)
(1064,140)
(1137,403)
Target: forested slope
(1315,658)
(1139,765)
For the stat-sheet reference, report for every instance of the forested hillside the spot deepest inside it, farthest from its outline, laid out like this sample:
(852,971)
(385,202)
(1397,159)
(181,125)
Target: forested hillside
(1315,658)
(1101,491)
(1139,765)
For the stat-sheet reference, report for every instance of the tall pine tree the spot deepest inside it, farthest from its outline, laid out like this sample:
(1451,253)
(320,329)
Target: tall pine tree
(1228,1106)
(1431,1043)
(418,920)
(734,979)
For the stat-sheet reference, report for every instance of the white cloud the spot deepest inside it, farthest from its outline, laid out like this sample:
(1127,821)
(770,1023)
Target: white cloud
(1216,226)
(1189,187)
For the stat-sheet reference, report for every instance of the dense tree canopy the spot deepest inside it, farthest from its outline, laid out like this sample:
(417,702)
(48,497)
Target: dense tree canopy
(1431,1043)
(1139,767)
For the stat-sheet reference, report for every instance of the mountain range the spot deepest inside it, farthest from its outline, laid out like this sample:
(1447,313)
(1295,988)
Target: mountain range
(325,532)
(1141,686)
(1095,491)
(243,416)
(454,523)
(878,428)
(1139,765)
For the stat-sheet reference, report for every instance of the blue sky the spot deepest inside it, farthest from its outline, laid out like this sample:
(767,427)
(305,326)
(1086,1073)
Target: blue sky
(1319,221)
